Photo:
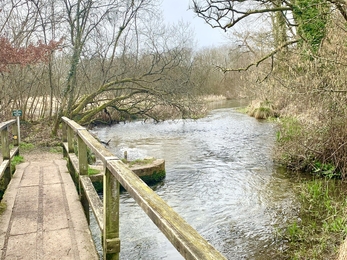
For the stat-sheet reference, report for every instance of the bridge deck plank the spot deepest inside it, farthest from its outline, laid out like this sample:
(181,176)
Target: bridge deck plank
(44,218)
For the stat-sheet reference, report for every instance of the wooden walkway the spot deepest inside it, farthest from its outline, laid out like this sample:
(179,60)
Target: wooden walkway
(44,218)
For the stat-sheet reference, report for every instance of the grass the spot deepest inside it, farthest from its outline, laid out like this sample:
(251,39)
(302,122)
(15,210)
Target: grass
(139,161)
(243,110)
(261,110)
(16,160)
(56,149)
(92,171)
(326,170)
(290,129)
(27,147)
(321,226)
(3,207)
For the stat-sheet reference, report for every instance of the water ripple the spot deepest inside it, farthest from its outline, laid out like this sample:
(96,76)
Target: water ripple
(220,178)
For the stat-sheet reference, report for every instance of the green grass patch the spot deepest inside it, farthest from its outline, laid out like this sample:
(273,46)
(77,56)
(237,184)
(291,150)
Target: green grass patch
(3,207)
(290,129)
(326,170)
(17,160)
(56,149)
(261,109)
(243,110)
(139,161)
(321,224)
(27,147)
(92,171)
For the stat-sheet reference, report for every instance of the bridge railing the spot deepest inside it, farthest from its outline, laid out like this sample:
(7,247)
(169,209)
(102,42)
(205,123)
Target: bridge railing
(9,138)
(186,239)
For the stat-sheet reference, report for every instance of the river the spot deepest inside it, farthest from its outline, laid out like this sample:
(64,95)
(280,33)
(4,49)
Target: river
(220,177)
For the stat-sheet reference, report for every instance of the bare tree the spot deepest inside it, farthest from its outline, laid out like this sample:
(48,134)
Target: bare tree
(293,22)
(133,53)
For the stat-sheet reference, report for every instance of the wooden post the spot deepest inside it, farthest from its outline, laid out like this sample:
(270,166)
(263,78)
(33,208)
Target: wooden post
(70,149)
(15,135)
(64,138)
(82,157)
(83,170)
(111,242)
(5,149)
(70,138)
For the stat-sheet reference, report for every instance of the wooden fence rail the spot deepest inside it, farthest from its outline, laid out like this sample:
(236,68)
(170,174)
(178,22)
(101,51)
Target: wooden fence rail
(186,240)
(9,135)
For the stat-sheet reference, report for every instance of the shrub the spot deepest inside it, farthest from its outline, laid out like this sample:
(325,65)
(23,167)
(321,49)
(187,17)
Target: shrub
(261,109)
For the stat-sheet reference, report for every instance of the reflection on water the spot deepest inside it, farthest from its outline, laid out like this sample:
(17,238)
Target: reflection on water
(220,179)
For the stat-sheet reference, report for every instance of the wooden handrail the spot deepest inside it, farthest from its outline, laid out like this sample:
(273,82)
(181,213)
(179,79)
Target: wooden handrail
(7,131)
(6,124)
(186,239)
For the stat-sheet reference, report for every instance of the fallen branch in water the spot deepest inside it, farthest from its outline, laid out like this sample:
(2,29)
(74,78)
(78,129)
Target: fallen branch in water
(105,143)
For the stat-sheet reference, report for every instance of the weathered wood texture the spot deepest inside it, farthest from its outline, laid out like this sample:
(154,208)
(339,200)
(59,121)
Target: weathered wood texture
(111,242)
(9,132)
(97,148)
(6,124)
(185,238)
(94,200)
(3,167)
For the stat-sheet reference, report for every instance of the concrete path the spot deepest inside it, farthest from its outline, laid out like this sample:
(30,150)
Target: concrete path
(44,218)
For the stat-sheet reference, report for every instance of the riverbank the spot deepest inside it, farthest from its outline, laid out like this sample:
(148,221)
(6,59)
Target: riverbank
(218,168)
(115,142)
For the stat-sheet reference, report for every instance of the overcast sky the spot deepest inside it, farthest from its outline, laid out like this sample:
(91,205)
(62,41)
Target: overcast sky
(177,10)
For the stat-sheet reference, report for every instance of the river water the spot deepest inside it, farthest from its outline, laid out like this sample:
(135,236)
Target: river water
(220,178)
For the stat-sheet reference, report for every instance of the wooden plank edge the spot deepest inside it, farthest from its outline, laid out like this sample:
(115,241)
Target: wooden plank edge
(98,149)
(65,146)
(94,200)
(14,151)
(101,152)
(74,162)
(3,125)
(3,167)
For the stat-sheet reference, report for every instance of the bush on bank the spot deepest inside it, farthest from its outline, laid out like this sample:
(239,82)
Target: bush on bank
(310,96)
(318,148)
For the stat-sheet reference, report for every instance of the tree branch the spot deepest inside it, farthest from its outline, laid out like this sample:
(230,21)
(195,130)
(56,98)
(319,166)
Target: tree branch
(261,60)
(225,14)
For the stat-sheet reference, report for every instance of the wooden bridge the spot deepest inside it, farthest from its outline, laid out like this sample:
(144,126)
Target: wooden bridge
(48,203)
